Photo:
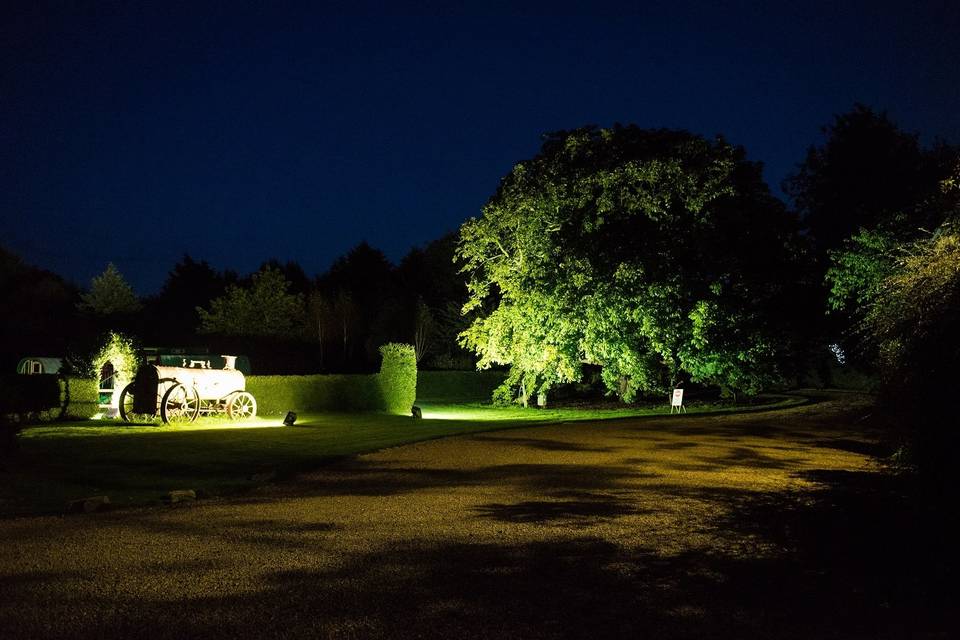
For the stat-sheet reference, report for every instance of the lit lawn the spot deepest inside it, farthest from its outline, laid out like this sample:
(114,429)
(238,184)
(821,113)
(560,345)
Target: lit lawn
(140,464)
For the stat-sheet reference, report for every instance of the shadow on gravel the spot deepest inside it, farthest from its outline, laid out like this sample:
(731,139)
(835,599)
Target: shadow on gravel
(859,557)
(569,508)
(873,449)
(364,478)
(546,444)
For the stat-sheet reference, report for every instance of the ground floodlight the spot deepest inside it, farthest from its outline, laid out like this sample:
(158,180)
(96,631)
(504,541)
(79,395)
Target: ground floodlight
(289,419)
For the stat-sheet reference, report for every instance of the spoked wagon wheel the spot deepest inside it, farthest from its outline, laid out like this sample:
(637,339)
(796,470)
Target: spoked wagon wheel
(179,405)
(126,408)
(241,406)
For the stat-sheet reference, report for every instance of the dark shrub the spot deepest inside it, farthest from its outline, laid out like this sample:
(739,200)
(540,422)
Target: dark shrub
(458,386)
(24,396)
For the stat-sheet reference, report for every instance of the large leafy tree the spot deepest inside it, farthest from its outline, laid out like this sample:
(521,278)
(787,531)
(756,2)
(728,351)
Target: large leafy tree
(656,254)
(264,308)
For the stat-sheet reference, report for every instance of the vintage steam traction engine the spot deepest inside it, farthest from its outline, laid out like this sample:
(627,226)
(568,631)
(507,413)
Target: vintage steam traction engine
(180,394)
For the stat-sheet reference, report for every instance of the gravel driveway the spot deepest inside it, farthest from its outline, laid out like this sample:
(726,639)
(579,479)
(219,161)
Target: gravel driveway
(679,527)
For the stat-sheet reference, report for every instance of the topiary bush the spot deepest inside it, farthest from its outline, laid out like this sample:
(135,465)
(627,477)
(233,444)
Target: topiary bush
(120,351)
(398,377)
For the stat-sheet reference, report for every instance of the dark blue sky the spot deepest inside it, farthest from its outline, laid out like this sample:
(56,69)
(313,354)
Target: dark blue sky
(134,134)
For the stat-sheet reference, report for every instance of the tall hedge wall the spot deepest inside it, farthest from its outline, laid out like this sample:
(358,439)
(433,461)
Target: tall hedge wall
(394,389)
(278,394)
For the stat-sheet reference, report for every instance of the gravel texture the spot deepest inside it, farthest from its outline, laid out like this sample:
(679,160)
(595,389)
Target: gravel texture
(671,527)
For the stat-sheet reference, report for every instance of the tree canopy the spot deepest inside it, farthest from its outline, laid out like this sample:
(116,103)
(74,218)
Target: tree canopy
(39,307)
(264,308)
(109,294)
(655,254)
(859,267)
(866,172)
(171,316)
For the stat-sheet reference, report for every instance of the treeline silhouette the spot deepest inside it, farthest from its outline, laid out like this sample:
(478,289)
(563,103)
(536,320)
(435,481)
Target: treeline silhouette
(337,319)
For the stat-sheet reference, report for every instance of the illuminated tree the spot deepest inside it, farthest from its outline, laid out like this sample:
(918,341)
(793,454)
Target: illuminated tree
(119,353)
(866,191)
(109,294)
(658,255)
(913,325)
(916,312)
(858,270)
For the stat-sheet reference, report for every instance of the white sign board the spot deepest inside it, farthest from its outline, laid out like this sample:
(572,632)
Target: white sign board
(677,401)
(677,398)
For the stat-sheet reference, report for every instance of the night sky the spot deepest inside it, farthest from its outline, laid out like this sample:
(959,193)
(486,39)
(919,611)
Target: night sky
(134,134)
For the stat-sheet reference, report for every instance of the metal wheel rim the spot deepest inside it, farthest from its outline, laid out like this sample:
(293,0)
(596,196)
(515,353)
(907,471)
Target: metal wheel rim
(242,406)
(180,405)
(128,415)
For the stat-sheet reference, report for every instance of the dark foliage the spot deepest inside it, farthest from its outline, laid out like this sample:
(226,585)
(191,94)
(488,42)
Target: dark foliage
(865,171)
(26,396)
(171,317)
(39,312)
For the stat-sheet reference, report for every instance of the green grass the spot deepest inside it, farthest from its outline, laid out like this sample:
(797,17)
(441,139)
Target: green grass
(139,464)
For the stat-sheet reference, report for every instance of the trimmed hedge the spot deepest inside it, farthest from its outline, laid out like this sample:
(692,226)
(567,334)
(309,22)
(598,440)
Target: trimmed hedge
(82,397)
(278,394)
(458,386)
(398,377)
(394,389)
